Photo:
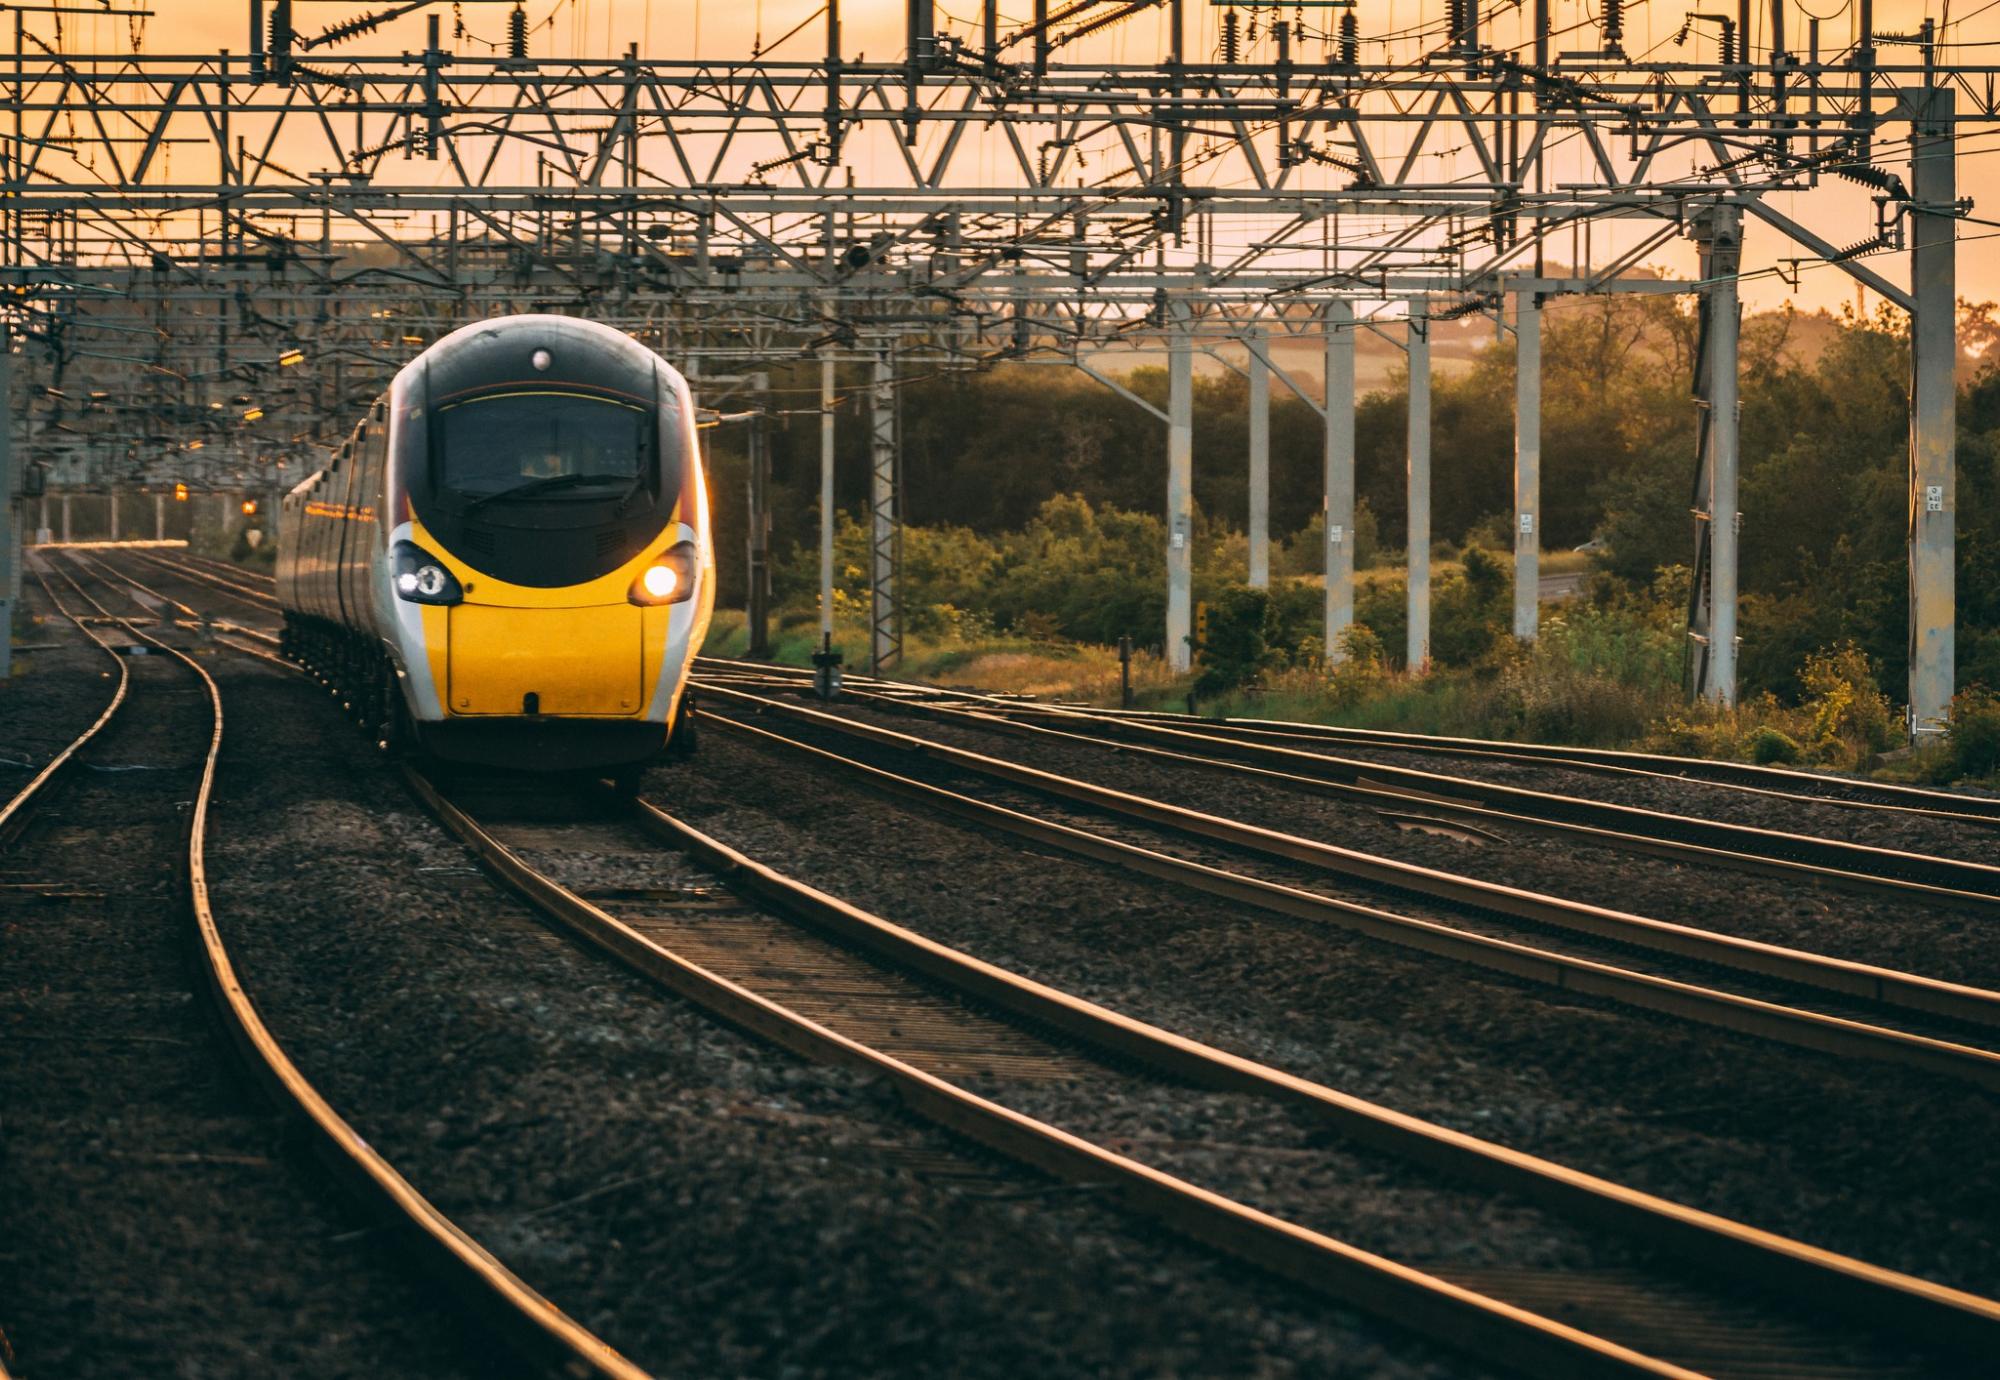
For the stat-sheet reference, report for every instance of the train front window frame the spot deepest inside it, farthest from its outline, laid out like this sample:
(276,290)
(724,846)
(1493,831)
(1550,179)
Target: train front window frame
(563,445)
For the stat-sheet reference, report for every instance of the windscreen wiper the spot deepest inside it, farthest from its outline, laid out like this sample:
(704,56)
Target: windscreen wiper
(542,486)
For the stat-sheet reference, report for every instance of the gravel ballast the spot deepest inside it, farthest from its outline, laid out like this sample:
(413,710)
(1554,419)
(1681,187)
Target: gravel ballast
(1871,1161)
(1934,941)
(151,1220)
(709,1205)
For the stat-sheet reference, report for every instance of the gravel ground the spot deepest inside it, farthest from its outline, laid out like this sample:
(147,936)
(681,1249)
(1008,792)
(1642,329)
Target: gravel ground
(61,682)
(1790,1141)
(1934,941)
(709,1205)
(150,1223)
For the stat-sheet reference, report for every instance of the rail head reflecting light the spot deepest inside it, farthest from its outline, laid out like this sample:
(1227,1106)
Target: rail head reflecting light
(668,578)
(421,578)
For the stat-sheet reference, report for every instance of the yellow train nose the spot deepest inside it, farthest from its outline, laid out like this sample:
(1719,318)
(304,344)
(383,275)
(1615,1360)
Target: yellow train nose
(574,661)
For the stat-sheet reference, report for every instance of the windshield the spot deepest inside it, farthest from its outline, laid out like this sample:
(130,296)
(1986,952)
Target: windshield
(541,445)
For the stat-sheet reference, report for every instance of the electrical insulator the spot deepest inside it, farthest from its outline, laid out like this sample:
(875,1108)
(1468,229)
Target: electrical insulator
(1232,37)
(281,32)
(1614,26)
(1728,43)
(1350,40)
(517,35)
(1455,20)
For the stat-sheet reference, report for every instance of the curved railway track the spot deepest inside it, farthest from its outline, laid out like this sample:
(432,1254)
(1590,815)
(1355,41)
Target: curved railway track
(828,980)
(540,1333)
(1857,868)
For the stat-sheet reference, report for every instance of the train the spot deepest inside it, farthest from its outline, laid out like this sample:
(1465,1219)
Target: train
(508,561)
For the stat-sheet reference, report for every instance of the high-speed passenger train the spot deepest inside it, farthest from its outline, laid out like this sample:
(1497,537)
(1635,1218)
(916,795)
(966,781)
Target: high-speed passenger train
(508,561)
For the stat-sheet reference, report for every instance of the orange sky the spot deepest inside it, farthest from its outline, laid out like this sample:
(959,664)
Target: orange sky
(717,28)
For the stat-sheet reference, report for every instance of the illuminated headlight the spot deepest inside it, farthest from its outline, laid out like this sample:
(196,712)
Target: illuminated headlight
(421,578)
(668,578)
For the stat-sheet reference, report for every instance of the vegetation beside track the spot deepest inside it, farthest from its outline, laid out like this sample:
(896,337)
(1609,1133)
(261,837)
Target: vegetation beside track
(1030,537)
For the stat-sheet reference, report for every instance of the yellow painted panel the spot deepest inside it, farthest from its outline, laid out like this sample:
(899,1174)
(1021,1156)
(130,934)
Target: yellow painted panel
(577,660)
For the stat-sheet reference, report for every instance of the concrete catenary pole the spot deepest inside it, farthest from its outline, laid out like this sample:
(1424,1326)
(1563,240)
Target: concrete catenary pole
(826,401)
(1417,648)
(1337,323)
(886,638)
(159,517)
(1180,486)
(1725,319)
(114,515)
(1258,341)
(1527,464)
(758,596)
(1933,409)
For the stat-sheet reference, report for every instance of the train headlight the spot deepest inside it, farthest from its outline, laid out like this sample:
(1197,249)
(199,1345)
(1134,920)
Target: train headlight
(421,578)
(668,578)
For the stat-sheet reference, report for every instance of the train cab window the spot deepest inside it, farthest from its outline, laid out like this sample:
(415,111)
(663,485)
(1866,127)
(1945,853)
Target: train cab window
(542,445)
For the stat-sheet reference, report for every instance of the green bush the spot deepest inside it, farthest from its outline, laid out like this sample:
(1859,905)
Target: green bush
(1773,747)
(1973,732)
(1850,715)
(1235,648)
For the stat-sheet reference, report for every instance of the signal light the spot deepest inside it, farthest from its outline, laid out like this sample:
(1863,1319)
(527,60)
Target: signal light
(180,493)
(291,357)
(249,507)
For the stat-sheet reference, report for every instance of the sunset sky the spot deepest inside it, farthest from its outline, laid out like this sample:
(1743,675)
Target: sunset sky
(874,28)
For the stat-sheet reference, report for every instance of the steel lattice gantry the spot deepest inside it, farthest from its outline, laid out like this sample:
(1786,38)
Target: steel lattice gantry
(177,227)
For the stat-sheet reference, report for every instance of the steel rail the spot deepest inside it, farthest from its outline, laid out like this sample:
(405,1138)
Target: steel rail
(1411,1298)
(1845,977)
(1628,828)
(1739,776)
(1731,1011)
(191,618)
(257,598)
(536,1327)
(227,569)
(14,814)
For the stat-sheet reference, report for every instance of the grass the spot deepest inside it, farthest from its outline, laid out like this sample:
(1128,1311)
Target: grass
(1046,669)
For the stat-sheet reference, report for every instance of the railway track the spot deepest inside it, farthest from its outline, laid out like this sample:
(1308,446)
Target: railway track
(244,587)
(1876,872)
(826,980)
(1858,1010)
(537,1332)
(961,1039)
(1772,782)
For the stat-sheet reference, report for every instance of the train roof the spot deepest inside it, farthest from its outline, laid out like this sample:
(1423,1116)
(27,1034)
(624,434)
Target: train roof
(539,351)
